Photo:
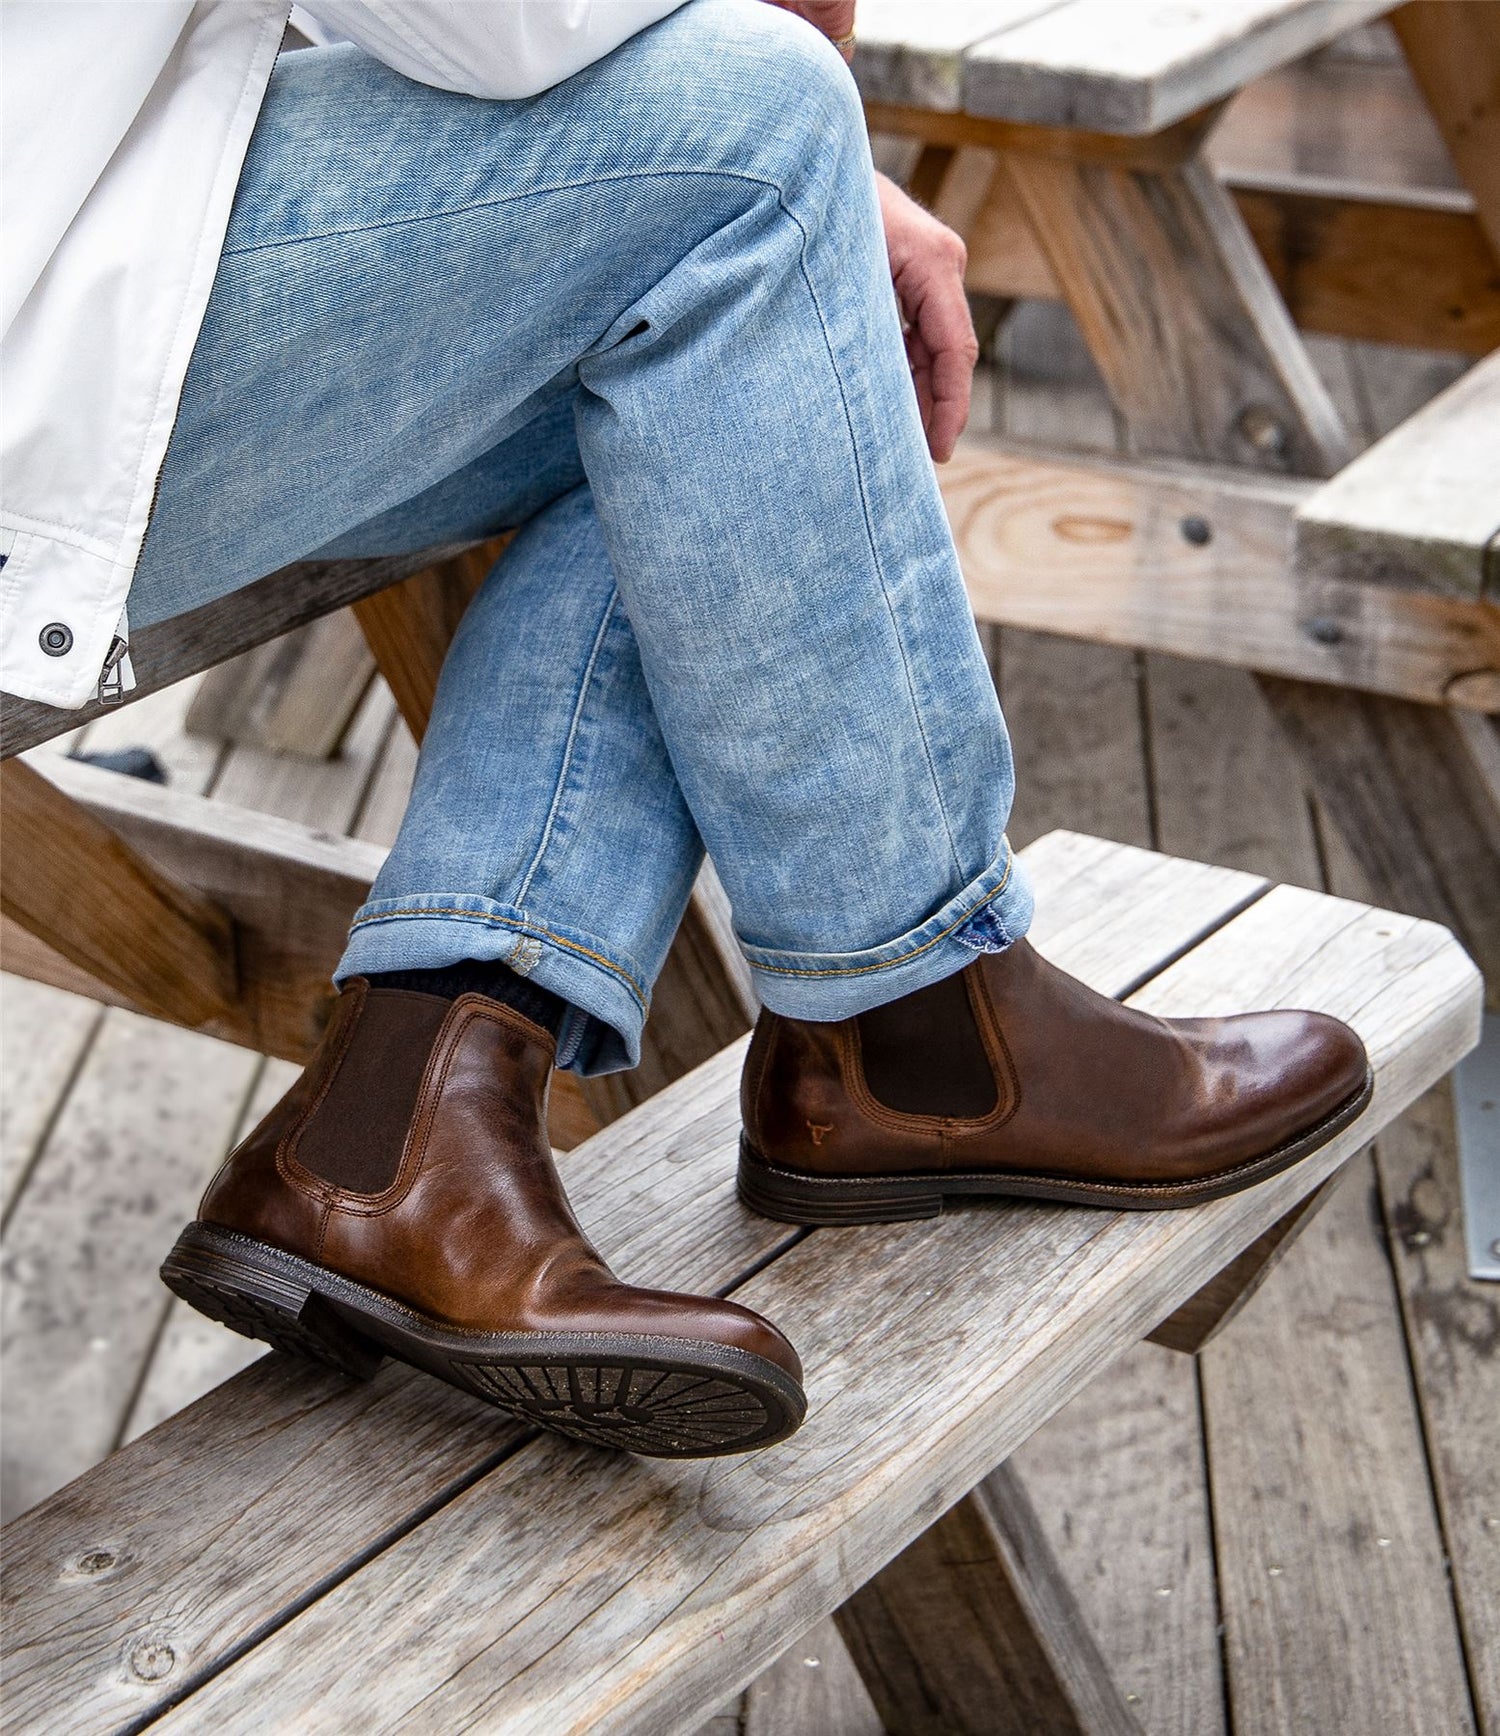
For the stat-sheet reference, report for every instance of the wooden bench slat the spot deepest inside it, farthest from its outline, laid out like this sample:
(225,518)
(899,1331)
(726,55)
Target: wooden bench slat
(656,1192)
(1422,506)
(187,644)
(1138,66)
(630,1597)
(1098,551)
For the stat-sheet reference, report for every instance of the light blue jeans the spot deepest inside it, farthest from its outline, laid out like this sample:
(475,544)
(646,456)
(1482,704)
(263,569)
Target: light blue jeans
(648,317)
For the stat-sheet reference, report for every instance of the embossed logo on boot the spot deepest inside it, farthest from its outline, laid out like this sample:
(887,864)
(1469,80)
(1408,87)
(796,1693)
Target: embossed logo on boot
(817,1132)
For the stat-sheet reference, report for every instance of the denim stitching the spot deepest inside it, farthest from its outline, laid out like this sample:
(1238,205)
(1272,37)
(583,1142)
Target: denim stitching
(864,506)
(574,725)
(509,199)
(449,913)
(916,951)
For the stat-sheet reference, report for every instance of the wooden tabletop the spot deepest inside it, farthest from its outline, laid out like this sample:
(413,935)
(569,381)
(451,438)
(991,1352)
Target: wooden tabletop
(1108,66)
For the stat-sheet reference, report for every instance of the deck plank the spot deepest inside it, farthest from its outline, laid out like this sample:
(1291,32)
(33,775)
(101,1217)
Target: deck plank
(1453,1329)
(82,1303)
(1323,1509)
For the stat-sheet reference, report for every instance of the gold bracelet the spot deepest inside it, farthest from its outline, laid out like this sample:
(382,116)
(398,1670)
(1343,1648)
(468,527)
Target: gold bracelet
(843,42)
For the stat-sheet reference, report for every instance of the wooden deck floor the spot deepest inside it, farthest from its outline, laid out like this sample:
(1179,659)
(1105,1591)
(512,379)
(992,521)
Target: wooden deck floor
(1298,1533)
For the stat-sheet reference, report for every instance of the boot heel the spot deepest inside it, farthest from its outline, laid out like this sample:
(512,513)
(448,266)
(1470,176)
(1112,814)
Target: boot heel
(827,1201)
(256,1290)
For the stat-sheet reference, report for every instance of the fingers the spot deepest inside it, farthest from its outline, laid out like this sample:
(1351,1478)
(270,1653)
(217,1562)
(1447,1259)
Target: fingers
(835,18)
(941,348)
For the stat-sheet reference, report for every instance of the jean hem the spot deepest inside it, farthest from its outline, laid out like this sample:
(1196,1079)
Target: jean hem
(432,931)
(993,911)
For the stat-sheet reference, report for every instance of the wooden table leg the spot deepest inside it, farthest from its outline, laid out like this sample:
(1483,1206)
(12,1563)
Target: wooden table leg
(1453,49)
(972,1631)
(1205,1315)
(73,882)
(1180,313)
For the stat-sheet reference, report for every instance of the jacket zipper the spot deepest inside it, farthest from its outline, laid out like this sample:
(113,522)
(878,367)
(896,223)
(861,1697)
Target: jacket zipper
(112,676)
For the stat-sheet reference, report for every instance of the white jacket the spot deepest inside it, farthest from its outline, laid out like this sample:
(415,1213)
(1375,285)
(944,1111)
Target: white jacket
(126,124)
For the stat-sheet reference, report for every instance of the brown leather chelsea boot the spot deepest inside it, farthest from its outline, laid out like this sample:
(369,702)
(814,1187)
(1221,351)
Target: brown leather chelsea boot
(402,1200)
(1013,1078)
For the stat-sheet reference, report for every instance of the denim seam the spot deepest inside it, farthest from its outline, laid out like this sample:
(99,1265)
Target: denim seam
(575,723)
(875,561)
(916,951)
(514,199)
(449,913)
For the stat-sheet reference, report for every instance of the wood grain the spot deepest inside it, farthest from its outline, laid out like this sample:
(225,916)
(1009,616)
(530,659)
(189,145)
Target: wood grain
(1453,50)
(85,892)
(1389,267)
(1384,265)
(44,1032)
(1453,1329)
(289,889)
(813,1689)
(1420,508)
(1119,1480)
(762,1546)
(655,1190)
(1100,551)
(972,1631)
(297,694)
(133,1146)
(912,51)
(1180,313)
(1403,786)
(1324,1518)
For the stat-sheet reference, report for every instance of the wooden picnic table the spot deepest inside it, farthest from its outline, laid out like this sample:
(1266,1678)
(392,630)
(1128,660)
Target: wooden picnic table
(297,1552)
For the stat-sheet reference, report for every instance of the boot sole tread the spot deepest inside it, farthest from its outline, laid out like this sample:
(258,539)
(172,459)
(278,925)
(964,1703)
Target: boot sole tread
(656,1396)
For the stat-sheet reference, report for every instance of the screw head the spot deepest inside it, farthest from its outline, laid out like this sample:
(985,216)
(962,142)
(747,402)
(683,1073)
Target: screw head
(1324,631)
(1265,431)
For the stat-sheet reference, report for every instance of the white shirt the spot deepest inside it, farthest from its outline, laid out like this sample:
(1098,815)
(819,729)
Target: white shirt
(125,127)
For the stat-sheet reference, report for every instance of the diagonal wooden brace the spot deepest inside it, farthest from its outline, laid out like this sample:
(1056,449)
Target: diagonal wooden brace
(70,880)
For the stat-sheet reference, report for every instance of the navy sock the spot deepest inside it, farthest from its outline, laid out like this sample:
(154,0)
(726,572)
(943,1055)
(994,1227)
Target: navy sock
(476,977)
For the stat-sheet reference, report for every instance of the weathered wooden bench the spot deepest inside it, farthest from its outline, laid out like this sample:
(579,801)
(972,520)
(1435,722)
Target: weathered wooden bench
(1068,140)
(298,1553)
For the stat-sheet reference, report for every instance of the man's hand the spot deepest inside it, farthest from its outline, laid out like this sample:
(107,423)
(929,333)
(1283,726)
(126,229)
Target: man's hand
(835,18)
(927,264)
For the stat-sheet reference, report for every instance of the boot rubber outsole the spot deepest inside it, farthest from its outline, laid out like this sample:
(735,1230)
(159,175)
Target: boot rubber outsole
(676,1398)
(791,1197)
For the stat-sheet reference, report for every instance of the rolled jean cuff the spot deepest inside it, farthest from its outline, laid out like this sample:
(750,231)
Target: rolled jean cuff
(989,914)
(426,932)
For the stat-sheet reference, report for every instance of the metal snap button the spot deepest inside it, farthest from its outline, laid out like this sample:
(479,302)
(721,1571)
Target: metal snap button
(56,639)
